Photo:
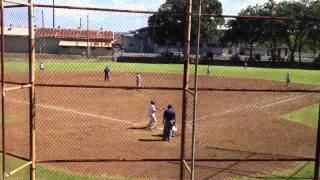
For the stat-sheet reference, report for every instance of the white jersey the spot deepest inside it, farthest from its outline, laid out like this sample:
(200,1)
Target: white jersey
(138,77)
(152,110)
(41,66)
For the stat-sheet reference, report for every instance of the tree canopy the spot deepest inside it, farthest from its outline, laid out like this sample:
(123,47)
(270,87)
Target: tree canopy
(170,28)
(301,31)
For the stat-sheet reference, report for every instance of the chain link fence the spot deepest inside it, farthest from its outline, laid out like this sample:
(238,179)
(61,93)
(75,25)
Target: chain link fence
(99,64)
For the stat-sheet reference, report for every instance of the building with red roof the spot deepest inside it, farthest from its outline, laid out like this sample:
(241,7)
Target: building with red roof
(61,41)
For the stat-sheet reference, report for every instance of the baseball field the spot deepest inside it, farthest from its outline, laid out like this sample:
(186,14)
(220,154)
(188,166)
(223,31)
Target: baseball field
(99,127)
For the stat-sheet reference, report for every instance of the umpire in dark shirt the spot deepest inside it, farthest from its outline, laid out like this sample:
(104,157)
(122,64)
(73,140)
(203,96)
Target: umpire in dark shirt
(169,120)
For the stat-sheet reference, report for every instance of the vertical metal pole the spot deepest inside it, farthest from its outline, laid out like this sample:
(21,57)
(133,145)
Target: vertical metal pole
(316,164)
(185,86)
(32,92)
(3,95)
(53,15)
(42,18)
(43,39)
(88,38)
(195,98)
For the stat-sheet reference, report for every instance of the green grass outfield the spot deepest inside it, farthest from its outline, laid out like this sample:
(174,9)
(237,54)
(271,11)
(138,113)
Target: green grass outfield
(44,172)
(298,76)
(306,172)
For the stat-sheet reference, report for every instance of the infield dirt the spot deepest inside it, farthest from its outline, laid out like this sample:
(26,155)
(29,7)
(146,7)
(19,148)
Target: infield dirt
(108,124)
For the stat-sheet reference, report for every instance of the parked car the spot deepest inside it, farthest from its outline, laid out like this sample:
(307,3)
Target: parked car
(235,58)
(174,55)
(166,54)
(177,55)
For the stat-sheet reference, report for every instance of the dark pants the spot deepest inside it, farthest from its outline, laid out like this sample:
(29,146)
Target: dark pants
(167,131)
(106,76)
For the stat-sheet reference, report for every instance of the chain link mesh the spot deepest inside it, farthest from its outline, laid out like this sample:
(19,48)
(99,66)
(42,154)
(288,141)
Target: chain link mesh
(258,89)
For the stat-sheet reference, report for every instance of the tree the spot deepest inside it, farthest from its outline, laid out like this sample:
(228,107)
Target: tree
(272,33)
(313,36)
(293,32)
(245,31)
(170,28)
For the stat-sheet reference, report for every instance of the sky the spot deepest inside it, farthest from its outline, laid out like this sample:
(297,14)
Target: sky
(116,22)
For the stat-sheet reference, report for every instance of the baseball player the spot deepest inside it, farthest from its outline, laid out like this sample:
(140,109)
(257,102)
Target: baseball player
(152,115)
(288,79)
(209,70)
(106,73)
(41,66)
(138,80)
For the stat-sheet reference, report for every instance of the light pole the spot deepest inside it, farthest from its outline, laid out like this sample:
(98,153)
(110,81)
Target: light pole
(53,15)
(88,38)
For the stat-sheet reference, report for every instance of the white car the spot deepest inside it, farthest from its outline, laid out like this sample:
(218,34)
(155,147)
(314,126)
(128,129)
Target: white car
(177,55)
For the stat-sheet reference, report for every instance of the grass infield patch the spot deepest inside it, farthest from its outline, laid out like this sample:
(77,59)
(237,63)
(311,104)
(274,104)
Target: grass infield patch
(9,119)
(44,172)
(307,115)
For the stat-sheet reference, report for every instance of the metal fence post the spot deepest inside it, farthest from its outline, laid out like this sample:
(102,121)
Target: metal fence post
(316,163)
(32,90)
(185,86)
(3,96)
(195,93)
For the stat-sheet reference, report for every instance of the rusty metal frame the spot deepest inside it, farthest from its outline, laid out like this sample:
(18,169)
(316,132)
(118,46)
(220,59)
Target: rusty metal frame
(19,169)
(195,92)
(189,90)
(4,168)
(188,14)
(17,3)
(162,13)
(185,86)
(17,87)
(284,159)
(32,108)
(31,87)
(317,155)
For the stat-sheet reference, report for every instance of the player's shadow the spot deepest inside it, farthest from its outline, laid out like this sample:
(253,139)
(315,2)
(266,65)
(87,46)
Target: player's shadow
(150,140)
(138,128)
(157,135)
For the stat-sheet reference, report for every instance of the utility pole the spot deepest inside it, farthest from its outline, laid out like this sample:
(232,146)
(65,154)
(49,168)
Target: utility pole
(88,38)
(43,40)
(80,27)
(42,18)
(53,15)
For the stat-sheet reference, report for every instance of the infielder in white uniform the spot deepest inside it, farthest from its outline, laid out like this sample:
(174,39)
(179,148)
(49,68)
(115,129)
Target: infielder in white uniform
(41,66)
(138,80)
(152,115)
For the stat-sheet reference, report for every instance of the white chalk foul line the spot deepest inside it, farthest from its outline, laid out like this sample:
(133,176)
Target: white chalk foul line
(282,101)
(226,112)
(252,106)
(73,111)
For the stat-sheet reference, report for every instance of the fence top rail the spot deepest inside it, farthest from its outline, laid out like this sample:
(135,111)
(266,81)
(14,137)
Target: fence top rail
(166,13)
